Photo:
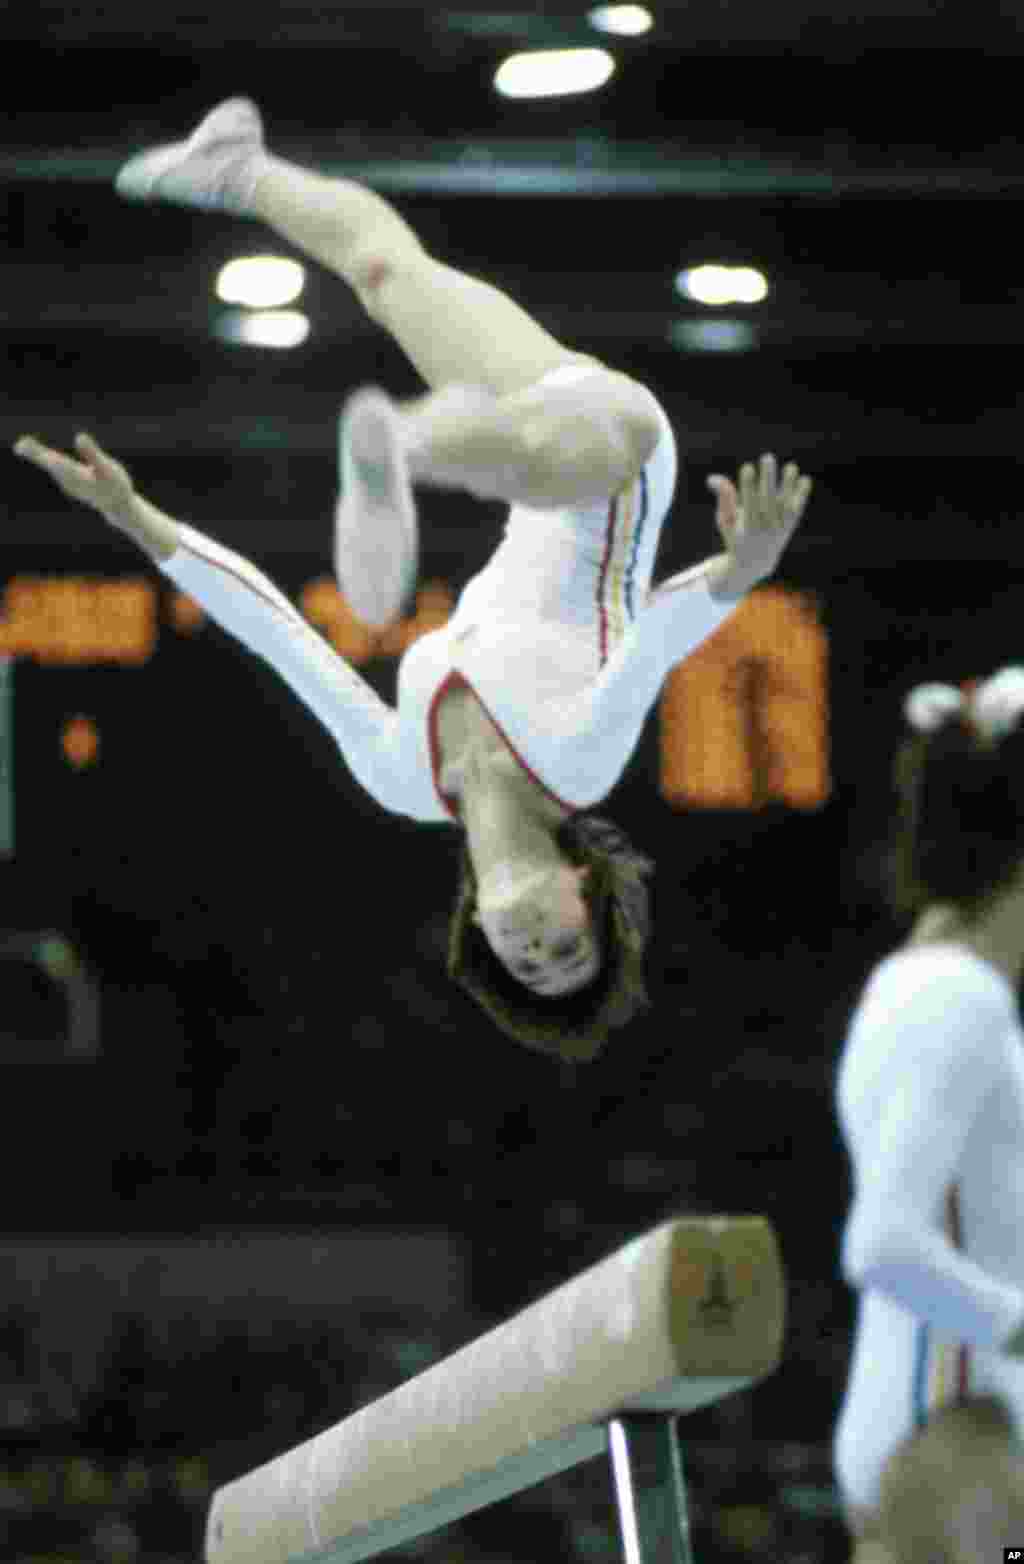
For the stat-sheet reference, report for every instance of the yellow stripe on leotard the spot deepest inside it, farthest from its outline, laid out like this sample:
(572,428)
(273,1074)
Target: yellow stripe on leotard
(942,1374)
(620,563)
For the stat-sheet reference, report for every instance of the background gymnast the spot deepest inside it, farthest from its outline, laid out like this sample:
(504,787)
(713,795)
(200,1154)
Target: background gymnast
(931,1103)
(523,711)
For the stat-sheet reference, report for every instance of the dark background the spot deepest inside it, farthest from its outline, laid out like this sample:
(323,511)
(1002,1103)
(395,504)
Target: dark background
(280,1053)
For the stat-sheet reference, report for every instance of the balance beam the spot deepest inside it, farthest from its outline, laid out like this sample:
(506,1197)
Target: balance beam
(679,1318)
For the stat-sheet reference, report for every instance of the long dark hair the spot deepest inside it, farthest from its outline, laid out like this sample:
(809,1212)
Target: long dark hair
(570,1026)
(959,830)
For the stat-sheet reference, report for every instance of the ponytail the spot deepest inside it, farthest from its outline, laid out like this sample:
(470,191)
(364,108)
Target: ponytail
(959,832)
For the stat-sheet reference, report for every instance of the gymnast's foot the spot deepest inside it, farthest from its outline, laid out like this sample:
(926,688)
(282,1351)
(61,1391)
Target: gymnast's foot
(376,537)
(216,168)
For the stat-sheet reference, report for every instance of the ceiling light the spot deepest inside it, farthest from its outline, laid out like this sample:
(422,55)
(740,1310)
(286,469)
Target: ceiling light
(263,328)
(553,73)
(716,285)
(749,286)
(628,21)
(261,281)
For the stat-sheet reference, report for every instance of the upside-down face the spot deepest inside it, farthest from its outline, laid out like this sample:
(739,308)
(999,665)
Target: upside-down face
(539,927)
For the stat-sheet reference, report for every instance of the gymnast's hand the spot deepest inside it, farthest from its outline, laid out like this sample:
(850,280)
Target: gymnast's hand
(757,523)
(98,480)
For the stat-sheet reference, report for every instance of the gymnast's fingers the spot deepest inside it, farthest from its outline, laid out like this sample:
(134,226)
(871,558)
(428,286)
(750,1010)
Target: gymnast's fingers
(748,491)
(766,488)
(69,474)
(803,494)
(727,504)
(105,466)
(795,492)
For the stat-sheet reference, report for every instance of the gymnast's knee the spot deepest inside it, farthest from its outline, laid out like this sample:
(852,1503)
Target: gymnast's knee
(587,439)
(379,259)
(574,458)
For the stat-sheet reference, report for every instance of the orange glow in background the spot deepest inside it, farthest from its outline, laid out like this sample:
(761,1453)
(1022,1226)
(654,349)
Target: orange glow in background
(80,742)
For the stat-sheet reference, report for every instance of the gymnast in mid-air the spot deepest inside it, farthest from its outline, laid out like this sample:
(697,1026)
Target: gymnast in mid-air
(522,712)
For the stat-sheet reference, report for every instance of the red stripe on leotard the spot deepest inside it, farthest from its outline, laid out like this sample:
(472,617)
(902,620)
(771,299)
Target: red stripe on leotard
(602,610)
(252,586)
(452,681)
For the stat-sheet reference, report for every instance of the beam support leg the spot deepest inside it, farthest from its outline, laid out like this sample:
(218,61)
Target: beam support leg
(650,1493)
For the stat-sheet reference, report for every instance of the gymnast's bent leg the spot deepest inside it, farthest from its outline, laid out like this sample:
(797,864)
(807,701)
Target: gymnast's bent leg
(453,327)
(500,434)
(490,426)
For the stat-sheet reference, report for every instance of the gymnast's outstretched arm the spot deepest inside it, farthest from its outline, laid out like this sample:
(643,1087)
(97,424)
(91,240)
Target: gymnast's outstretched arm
(241,599)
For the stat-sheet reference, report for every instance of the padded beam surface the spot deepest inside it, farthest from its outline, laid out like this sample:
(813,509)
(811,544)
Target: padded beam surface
(678,1318)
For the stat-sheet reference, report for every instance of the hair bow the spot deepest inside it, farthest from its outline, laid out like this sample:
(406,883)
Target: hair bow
(995,706)
(929,705)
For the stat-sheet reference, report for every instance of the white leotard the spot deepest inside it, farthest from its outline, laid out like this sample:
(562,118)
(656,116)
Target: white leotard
(931,1104)
(555,637)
